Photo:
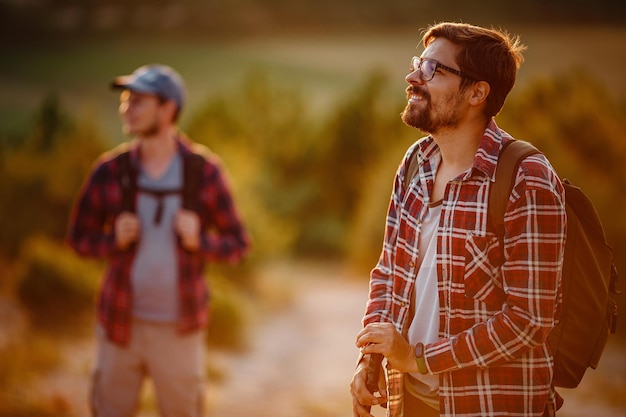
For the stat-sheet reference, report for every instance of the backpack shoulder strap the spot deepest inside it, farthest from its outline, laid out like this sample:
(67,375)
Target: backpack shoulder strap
(511,155)
(128,181)
(192,179)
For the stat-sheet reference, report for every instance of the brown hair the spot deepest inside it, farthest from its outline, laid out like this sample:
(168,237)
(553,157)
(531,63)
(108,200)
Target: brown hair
(484,55)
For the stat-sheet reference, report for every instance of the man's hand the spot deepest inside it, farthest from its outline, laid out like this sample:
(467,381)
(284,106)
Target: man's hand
(127,228)
(384,338)
(362,398)
(187,226)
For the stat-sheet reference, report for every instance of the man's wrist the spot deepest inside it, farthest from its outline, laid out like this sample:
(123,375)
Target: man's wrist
(419,358)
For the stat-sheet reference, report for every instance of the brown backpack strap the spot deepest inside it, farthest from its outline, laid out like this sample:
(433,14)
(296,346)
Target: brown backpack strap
(511,155)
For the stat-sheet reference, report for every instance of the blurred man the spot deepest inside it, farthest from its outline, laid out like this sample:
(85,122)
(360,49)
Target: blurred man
(156,208)
(460,315)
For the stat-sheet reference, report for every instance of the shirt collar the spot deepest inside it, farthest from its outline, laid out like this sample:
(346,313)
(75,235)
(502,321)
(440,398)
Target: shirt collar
(182,141)
(486,157)
(488,152)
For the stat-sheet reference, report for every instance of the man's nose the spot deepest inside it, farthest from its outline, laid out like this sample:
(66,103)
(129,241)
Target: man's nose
(414,77)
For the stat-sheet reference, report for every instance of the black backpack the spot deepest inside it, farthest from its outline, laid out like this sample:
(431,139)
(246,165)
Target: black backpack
(192,174)
(588,312)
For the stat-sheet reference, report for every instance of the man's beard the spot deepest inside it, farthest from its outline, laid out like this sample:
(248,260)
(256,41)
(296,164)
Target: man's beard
(432,118)
(151,130)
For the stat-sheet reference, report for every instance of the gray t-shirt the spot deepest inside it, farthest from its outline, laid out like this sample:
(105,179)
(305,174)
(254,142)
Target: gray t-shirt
(154,274)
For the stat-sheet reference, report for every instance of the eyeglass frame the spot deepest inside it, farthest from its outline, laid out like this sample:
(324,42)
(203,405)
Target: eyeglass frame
(437,65)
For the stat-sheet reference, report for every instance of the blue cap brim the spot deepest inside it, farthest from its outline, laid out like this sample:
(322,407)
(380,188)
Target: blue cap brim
(131,83)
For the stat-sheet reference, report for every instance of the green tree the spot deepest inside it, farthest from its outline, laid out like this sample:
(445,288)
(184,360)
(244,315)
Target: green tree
(361,131)
(42,173)
(300,178)
(265,138)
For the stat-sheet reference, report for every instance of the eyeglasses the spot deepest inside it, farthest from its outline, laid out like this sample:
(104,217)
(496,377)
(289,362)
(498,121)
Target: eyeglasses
(428,68)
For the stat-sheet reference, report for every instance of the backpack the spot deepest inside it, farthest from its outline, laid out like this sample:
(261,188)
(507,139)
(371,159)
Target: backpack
(588,312)
(192,174)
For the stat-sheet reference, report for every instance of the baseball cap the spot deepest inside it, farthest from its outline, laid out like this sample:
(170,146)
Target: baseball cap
(157,79)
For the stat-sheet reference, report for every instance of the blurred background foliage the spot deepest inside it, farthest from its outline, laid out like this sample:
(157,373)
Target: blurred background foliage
(307,125)
(200,17)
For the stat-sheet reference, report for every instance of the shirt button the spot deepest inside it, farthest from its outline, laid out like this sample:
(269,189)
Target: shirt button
(412,264)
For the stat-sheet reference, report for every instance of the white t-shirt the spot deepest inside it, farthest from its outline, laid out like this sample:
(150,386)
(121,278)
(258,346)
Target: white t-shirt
(425,324)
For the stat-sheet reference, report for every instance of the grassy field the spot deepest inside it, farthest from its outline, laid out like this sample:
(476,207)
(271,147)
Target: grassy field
(320,66)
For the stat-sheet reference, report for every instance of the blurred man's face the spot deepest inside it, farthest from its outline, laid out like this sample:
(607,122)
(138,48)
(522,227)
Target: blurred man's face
(140,113)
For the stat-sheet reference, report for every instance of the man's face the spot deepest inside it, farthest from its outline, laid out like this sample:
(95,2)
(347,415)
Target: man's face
(438,103)
(140,113)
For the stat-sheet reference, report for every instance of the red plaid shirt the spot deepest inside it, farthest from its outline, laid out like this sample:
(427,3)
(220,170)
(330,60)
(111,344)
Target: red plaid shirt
(91,234)
(498,302)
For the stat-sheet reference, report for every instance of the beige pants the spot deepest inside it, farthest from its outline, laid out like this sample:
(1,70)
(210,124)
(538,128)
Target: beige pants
(174,362)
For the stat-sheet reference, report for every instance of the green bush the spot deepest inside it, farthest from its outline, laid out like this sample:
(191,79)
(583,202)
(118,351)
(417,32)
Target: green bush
(55,286)
(300,176)
(264,136)
(41,174)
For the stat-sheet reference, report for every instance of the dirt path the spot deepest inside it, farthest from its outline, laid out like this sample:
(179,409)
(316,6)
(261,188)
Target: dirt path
(302,359)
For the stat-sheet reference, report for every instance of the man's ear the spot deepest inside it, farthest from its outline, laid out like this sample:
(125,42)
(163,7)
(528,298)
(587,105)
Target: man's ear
(168,107)
(478,92)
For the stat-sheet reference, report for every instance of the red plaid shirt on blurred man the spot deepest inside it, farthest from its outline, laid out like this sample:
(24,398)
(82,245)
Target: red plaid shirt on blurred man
(91,234)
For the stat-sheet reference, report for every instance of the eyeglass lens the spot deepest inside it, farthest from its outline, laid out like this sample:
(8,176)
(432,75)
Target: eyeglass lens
(426,67)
